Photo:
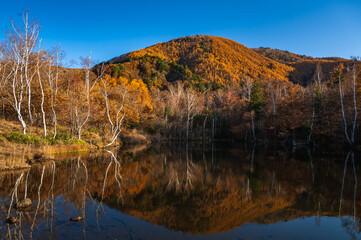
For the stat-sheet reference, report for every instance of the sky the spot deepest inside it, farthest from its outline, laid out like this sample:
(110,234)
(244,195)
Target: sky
(110,28)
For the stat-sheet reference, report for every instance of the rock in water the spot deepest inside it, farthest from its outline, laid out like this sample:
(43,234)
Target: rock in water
(76,219)
(23,203)
(11,220)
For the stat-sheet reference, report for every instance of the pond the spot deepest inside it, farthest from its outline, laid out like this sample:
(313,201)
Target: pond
(224,191)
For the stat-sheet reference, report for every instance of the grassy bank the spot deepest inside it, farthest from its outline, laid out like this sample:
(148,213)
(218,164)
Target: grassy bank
(17,150)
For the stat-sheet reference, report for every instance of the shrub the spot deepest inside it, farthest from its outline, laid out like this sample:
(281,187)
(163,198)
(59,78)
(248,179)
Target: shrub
(67,139)
(18,137)
(78,141)
(50,140)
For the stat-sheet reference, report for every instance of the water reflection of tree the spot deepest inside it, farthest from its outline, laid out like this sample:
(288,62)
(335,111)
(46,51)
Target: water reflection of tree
(21,215)
(351,224)
(251,171)
(73,183)
(153,186)
(117,176)
(16,231)
(179,182)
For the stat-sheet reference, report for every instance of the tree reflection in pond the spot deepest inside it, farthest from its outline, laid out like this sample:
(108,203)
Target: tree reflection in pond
(192,190)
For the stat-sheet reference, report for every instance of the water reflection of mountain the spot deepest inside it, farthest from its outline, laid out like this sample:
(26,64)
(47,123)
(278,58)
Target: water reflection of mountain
(200,192)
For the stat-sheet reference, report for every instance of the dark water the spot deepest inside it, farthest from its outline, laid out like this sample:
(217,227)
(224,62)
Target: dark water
(232,192)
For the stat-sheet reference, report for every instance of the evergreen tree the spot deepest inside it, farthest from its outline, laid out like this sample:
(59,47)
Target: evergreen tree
(257,100)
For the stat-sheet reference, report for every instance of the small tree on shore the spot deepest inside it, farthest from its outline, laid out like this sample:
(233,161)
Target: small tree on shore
(256,103)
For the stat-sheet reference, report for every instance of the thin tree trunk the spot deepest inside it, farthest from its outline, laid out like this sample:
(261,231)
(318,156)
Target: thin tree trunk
(54,114)
(187,136)
(311,127)
(355,188)
(22,122)
(119,121)
(105,94)
(212,130)
(204,127)
(343,183)
(42,103)
(354,75)
(110,120)
(29,104)
(42,91)
(253,130)
(343,111)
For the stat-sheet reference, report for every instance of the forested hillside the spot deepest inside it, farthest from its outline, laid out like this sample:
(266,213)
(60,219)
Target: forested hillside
(304,67)
(191,88)
(211,59)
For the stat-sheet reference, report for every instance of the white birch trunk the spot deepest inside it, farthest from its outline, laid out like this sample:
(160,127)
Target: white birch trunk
(42,93)
(343,110)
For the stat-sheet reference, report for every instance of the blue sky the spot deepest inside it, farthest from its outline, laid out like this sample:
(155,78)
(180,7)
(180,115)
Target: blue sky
(111,28)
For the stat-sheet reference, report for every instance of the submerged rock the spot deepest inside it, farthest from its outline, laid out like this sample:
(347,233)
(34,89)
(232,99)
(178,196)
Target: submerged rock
(76,219)
(24,203)
(38,159)
(11,220)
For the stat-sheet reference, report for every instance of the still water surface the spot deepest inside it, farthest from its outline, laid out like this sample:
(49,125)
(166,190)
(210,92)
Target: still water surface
(230,192)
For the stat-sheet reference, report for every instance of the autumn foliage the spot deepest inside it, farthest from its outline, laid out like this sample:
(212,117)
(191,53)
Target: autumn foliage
(191,88)
(214,59)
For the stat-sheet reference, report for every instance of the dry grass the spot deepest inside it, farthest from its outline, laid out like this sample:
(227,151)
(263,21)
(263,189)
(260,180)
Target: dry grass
(12,162)
(14,155)
(11,126)
(135,137)
(16,148)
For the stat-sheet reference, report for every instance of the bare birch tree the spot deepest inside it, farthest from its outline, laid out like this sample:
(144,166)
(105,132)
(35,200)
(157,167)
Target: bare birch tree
(192,108)
(105,91)
(41,89)
(340,78)
(275,92)
(29,35)
(17,51)
(247,88)
(82,117)
(176,92)
(354,86)
(53,77)
(310,91)
(318,76)
(119,117)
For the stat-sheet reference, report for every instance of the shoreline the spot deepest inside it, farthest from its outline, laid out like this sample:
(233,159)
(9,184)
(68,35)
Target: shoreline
(18,156)
(21,156)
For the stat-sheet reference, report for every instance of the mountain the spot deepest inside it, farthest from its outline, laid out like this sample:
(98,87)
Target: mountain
(200,59)
(304,67)
(281,56)
(215,62)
